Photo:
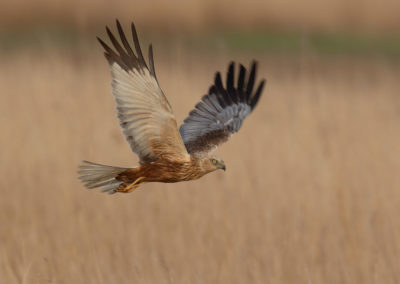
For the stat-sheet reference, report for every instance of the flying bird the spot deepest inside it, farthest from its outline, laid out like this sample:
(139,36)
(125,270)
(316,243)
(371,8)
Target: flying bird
(167,154)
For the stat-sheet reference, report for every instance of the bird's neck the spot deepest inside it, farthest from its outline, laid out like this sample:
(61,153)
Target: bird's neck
(202,164)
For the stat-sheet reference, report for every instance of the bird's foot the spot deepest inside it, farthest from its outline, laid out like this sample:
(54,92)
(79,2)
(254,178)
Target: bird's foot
(129,188)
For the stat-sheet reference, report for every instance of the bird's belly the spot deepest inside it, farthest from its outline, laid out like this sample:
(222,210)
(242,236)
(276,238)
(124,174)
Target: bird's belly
(172,172)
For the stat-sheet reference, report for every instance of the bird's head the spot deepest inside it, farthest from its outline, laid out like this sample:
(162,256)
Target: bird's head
(213,164)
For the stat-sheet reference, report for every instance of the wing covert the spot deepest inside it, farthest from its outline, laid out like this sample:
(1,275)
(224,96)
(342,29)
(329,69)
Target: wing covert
(221,112)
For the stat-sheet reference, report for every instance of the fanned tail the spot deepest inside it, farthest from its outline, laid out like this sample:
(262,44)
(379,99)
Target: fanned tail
(95,175)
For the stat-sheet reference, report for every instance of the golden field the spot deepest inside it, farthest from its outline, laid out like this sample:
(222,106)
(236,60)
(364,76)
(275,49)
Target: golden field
(310,195)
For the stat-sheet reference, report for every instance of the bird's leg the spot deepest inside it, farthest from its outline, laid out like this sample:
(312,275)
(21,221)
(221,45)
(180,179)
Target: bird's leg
(126,189)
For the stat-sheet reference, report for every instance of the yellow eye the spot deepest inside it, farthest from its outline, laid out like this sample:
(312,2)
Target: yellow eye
(214,161)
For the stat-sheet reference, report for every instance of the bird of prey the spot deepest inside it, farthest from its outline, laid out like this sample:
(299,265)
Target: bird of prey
(167,154)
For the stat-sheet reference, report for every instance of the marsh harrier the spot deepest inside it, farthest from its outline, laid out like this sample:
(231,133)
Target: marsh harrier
(149,126)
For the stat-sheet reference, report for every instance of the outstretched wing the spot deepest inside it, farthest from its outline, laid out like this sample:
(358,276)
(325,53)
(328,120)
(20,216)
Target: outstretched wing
(144,113)
(221,112)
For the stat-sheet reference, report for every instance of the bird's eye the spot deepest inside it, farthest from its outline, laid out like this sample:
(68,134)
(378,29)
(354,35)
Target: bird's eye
(214,161)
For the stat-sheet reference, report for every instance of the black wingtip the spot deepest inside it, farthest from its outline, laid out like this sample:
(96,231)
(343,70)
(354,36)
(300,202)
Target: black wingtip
(119,27)
(109,33)
(230,83)
(218,81)
(231,76)
(100,41)
(108,52)
(151,62)
(133,27)
(137,45)
(254,67)
(220,92)
(257,94)
(124,40)
(250,82)
(231,66)
(254,64)
(212,90)
(115,42)
(242,73)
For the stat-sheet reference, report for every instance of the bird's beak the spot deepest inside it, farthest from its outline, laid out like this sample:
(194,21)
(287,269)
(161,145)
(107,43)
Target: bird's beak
(222,166)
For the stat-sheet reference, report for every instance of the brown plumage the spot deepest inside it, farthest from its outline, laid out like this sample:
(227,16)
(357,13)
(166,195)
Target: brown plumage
(167,171)
(149,126)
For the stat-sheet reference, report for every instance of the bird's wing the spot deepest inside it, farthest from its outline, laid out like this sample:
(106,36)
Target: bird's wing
(144,113)
(221,112)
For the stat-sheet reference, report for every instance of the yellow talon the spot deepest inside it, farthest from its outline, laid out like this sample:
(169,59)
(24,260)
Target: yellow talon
(131,187)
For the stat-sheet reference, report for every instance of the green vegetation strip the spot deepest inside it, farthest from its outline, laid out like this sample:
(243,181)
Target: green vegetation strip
(323,43)
(262,41)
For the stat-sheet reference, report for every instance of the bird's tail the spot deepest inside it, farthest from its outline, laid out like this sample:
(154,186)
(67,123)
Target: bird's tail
(95,175)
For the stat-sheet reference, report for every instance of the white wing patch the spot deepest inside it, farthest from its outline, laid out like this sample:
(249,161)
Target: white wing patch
(143,112)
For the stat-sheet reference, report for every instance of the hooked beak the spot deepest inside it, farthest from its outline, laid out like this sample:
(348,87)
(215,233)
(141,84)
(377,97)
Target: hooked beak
(222,166)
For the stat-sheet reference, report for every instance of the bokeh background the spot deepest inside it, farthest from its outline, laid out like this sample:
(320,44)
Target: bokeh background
(312,188)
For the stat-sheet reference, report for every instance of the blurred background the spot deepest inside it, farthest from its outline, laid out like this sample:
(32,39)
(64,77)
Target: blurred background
(311,191)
